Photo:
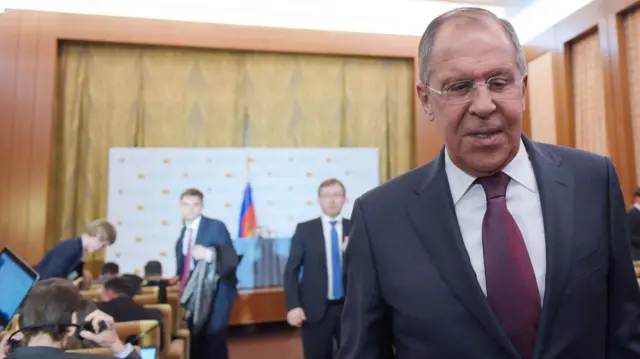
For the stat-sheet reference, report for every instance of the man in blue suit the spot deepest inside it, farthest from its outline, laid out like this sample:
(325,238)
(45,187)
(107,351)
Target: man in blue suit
(66,256)
(197,239)
(500,247)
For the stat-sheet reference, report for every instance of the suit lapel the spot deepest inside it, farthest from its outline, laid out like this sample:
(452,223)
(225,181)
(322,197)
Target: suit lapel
(345,228)
(556,188)
(319,241)
(202,229)
(434,218)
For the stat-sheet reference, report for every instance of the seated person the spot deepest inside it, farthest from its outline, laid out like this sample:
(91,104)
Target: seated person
(152,273)
(63,258)
(116,300)
(109,270)
(133,282)
(57,301)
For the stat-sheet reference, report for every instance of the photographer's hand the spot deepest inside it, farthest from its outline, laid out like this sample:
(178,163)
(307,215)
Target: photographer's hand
(108,338)
(4,346)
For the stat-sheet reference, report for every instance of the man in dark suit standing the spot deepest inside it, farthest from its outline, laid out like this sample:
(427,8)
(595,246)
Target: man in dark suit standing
(197,239)
(500,247)
(315,300)
(633,217)
(64,257)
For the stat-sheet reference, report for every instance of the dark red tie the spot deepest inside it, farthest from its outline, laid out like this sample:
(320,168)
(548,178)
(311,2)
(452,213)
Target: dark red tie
(512,290)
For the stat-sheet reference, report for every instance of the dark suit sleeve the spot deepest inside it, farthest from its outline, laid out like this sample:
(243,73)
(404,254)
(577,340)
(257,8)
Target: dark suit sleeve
(292,270)
(365,317)
(223,234)
(58,262)
(623,332)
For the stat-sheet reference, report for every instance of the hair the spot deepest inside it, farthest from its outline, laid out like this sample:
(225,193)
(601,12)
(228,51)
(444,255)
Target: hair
(153,269)
(102,229)
(470,14)
(50,302)
(120,287)
(192,192)
(330,182)
(110,268)
(85,308)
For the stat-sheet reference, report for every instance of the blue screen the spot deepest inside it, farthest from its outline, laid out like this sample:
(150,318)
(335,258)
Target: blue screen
(15,283)
(148,352)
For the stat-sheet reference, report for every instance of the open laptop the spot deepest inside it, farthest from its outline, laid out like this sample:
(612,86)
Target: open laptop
(16,280)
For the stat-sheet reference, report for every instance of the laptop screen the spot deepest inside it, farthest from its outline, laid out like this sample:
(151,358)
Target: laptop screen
(148,352)
(16,280)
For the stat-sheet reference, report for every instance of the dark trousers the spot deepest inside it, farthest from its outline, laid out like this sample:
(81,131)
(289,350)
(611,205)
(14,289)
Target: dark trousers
(318,337)
(211,341)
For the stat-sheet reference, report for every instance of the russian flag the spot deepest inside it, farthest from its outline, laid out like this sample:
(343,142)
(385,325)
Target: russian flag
(247,214)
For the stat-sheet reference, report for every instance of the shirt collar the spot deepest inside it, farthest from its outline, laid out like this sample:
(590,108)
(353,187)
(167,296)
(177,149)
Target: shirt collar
(327,219)
(195,224)
(519,169)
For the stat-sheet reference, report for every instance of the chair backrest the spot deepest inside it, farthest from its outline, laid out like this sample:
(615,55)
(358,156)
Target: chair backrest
(144,299)
(168,325)
(91,294)
(177,313)
(150,328)
(149,290)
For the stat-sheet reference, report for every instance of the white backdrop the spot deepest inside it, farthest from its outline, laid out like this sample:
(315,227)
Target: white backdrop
(145,185)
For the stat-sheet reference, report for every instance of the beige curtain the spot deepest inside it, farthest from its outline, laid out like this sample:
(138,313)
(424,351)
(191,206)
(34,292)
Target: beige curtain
(132,96)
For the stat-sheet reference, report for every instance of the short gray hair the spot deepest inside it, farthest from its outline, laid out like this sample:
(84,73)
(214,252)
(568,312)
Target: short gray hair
(429,37)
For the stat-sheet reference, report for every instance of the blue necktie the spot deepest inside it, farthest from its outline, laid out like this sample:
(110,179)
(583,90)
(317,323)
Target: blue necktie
(336,281)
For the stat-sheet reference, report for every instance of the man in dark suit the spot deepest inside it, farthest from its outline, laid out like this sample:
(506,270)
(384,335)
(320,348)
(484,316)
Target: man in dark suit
(315,300)
(197,239)
(633,217)
(64,257)
(500,247)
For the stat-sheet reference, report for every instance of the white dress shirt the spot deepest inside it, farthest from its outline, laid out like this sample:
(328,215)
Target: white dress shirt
(523,202)
(328,247)
(194,226)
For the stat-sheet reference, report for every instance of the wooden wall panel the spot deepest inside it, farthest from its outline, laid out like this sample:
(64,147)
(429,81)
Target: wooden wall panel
(631,24)
(541,99)
(609,63)
(588,95)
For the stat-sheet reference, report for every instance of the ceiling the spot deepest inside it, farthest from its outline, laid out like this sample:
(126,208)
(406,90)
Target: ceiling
(489,2)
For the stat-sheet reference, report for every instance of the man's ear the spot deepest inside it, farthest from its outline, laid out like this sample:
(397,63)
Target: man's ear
(525,81)
(424,96)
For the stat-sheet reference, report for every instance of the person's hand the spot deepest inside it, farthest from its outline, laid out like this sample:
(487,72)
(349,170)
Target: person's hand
(4,346)
(199,252)
(173,280)
(295,317)
(78,281)
(108,338)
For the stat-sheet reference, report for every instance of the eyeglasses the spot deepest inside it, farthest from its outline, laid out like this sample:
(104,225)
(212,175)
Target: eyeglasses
(499,87)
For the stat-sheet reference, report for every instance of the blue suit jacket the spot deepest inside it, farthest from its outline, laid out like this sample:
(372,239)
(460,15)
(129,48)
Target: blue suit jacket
(411,283)
(61,260)
(210,233)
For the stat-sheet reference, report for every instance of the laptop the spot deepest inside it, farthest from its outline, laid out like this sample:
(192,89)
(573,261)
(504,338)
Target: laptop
(148,352)
(16,280)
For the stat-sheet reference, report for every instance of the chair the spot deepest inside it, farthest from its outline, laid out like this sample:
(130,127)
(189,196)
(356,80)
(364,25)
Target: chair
(174,348)
(150,328)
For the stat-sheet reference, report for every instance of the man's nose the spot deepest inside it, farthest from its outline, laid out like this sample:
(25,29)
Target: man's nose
(482,103)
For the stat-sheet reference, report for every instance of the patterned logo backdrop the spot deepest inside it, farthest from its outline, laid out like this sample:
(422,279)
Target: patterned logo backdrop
(145,185)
